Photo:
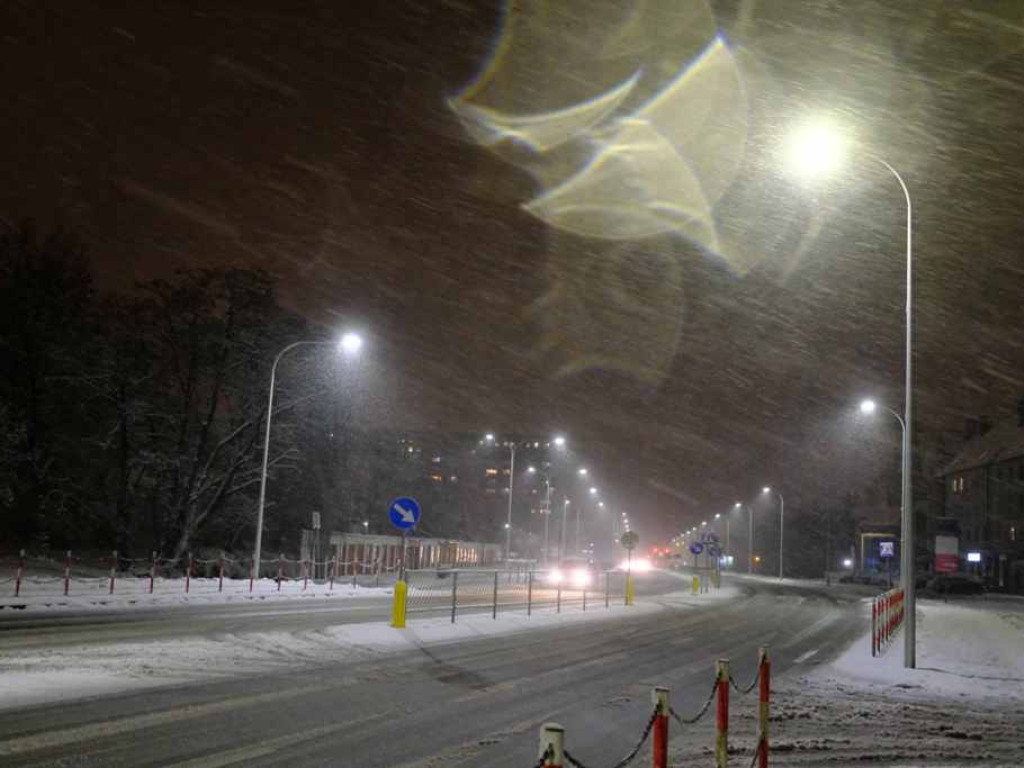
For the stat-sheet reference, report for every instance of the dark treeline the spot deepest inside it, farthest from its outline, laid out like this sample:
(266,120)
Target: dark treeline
(134,421)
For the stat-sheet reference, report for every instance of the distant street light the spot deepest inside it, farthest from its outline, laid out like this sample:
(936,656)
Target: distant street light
(349,345)
(582,471)
(819,148)
(782,519)
(593,491)
(559,441)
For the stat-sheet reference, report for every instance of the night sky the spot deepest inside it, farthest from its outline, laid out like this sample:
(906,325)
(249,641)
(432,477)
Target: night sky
(316,140)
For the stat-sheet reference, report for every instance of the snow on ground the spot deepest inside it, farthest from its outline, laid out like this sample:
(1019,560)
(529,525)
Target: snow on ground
(965,650)
(42,676)
(964,704)
(47,594)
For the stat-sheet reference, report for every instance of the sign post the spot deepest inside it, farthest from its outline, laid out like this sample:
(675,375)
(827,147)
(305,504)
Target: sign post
(629,540)
(404,513)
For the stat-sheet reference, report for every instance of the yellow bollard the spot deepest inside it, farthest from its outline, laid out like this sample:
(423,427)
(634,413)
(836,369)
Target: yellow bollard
(398,607)
(696,584)
(630,589)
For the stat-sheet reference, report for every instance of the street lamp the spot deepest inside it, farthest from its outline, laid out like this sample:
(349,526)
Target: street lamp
(750,536)
(559,441)
(349,345)
(819,148)
(782,519)
(489,437)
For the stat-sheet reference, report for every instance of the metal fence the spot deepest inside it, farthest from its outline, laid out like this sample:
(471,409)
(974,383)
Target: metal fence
(475,590)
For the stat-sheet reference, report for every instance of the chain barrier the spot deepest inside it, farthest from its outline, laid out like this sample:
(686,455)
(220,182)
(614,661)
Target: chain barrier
(701,713)
(544,758)
(629,758)
(749,688)
(757,752)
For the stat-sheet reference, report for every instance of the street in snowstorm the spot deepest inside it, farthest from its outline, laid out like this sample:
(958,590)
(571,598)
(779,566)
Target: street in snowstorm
(546,383)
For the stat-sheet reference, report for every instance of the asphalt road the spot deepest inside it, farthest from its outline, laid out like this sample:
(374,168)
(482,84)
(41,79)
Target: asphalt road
(470,703)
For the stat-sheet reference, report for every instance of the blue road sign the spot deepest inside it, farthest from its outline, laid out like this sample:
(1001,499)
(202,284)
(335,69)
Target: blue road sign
(714,550)
(404,513)
(696,547)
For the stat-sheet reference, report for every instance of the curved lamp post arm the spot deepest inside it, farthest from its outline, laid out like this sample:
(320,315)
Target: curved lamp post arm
(257,546)
(907,553)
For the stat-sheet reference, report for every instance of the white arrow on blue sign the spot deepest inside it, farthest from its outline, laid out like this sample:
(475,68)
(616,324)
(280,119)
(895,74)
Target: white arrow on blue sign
(696,547)
(404,513)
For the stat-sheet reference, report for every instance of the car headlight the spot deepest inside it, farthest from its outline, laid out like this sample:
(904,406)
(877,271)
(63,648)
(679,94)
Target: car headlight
(580,577)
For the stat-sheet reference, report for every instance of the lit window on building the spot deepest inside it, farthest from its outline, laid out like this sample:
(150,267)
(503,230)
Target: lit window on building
(491,472)
(436,477)
(453,479)
(436,460)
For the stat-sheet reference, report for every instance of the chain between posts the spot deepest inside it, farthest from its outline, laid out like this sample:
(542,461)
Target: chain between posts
(575,763)
(701,713)
(757,752)
(749,688)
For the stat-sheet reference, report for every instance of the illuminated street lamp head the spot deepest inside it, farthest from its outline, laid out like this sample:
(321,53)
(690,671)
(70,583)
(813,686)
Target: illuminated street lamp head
(531,469)
(703,523)
(737,505)
(868,406)
(766,489)
(600,504)
(593,490)
(816,149)
(351,343)
(559,441)
(583,471)
(718,515)
(489,437)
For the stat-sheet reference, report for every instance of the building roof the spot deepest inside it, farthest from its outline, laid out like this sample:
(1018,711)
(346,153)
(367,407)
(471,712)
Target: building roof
(1003,442)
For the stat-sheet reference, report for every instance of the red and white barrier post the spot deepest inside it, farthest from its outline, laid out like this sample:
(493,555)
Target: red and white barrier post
(280,570)
(552,745)
(152,573)
(659,696)
(220,573)
(874,626)
(17,576)
(113,571)
(722,720)
(188,572)
(765,665)
(67,571)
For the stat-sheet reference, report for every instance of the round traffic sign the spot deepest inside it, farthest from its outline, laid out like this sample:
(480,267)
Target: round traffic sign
(629,539)
(404,513)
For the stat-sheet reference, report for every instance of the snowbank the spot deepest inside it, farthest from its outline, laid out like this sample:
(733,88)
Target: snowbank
(964,650)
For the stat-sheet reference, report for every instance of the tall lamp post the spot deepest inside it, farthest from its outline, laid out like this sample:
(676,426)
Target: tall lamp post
(782,523)
(750,536)
(547,507)
(489,437)
(718,516)
(349,345)
(820,149)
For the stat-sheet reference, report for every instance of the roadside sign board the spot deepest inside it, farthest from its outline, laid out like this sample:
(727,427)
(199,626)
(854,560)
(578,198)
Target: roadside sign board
(404,513)
(316,521)
(696,547)
(887,549)
(629,539)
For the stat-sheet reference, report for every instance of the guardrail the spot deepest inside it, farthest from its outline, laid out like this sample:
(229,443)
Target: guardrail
(461,589)
(887,611)
(554,754)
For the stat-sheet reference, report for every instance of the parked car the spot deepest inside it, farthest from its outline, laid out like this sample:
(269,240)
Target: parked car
(957,584)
